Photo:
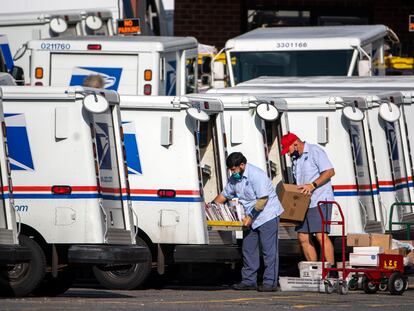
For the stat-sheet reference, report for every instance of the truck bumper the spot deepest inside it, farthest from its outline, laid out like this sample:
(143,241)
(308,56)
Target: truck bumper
(107,254)
(207,253)
(10,254)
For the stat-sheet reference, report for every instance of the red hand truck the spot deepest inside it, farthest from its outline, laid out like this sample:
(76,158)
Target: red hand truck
(390,268)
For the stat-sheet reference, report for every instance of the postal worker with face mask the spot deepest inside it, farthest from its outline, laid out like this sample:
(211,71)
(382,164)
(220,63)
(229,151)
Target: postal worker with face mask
(255,192)
(312,172)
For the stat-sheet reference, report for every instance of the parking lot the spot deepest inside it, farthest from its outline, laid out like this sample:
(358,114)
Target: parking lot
(209,298)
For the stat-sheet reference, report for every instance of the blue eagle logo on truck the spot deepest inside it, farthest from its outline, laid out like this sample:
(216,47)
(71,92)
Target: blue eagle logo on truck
(111,76)
(20,154)
(131,147)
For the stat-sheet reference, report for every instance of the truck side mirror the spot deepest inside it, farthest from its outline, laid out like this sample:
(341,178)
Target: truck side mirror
(364,68)
(18,75)
(95,103)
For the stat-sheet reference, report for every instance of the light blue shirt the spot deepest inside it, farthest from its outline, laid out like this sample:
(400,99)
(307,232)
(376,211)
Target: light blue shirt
(309,167)
(255,184)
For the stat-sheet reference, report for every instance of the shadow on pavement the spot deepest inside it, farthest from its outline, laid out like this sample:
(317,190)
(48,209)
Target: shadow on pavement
(75,293)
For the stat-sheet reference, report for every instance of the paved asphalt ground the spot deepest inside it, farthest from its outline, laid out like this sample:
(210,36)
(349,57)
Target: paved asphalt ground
(213,298)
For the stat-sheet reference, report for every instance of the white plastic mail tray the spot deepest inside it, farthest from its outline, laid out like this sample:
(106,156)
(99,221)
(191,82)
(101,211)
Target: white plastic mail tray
(363,260)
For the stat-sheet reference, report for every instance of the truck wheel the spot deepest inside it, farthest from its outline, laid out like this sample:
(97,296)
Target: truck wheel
(129,276)
(397,283)
(22,279)
(329,287)
(343,288)
(353,284)
(368,287)
(383,286)
(52,287)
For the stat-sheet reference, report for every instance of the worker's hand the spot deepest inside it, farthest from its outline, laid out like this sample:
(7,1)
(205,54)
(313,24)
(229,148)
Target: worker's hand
(306,189)
(247,221)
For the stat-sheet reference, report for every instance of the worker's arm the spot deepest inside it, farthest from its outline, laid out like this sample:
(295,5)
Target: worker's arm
(261,191)
(220,199)
(258,207)
(227,194)
(323,178)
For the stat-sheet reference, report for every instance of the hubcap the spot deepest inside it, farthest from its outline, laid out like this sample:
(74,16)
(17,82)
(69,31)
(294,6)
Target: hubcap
(371,286)
(123,272)
(399,284)
(18,271)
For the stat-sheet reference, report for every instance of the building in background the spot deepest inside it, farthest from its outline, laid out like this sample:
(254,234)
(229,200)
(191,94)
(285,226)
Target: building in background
(213,22)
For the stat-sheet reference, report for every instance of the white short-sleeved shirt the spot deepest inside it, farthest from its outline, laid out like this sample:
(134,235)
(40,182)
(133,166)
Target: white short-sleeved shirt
(255,184)
(307,169)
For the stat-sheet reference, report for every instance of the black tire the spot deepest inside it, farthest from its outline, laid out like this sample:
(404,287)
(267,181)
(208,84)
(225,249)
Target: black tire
(343,288)
(22,279)
(329,287)
(397,283)
(52,287)
(353,284)
(368,287)
(383,287)
(128,277)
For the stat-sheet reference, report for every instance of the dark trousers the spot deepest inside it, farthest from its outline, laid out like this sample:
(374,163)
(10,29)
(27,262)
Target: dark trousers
(267,236)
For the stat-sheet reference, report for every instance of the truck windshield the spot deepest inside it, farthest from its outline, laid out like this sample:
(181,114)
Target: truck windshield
(249,65)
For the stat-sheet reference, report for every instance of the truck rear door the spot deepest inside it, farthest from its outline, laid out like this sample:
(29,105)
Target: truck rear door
(7,216)
(367,189)
(3,217)
(120,72)
(106,157)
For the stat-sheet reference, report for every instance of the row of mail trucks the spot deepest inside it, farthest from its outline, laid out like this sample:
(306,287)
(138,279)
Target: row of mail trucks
(166,66)
(379,141)
(176,145)
(66,178)
(365,132)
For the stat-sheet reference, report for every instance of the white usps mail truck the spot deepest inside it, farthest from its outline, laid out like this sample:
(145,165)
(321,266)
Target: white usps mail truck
(30,20)
(319,118)
(138,65)
(257,138)
(394,156)
(176,162)
(390,140)
(70,184)
(307,51)
(6,58)
(10,251)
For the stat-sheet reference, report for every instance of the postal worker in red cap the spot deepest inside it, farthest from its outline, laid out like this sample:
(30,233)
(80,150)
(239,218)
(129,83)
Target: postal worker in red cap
(312,172)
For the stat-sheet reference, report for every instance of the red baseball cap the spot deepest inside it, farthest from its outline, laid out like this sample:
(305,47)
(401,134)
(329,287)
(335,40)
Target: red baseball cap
(287,141)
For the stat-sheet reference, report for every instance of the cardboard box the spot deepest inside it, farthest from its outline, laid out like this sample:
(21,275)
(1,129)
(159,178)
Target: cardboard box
(363,260)
(358,239)
(294,203)
(383,240)
(287,224)
(398,251)
(368,249)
